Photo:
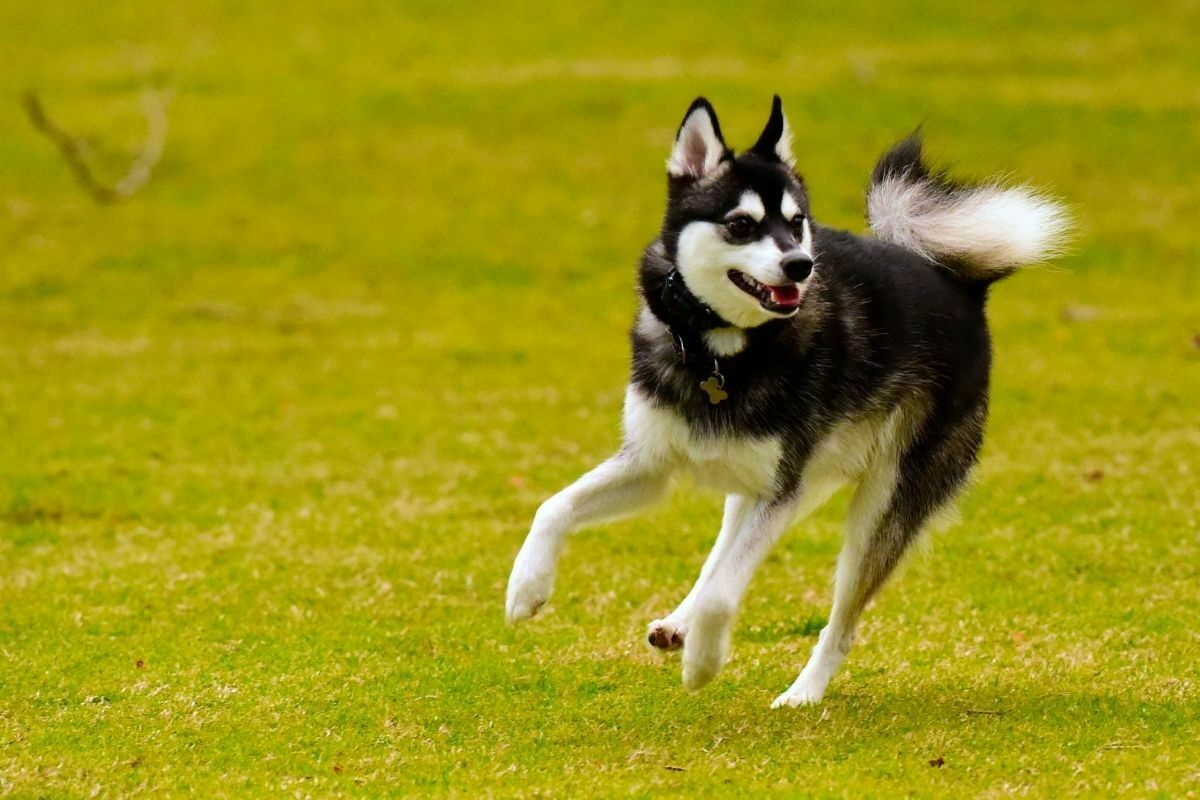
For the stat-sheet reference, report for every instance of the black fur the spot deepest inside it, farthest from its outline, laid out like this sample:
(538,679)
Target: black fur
(772,133)
(907,158)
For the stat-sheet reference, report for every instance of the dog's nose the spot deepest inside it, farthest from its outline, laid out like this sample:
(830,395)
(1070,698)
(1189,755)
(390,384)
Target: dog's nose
(797,265)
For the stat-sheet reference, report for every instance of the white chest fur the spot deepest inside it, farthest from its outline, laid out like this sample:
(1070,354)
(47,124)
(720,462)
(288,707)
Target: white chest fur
(732,464)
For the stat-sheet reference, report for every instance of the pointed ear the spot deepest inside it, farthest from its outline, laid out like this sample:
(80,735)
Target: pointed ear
(775,143)
(699,147)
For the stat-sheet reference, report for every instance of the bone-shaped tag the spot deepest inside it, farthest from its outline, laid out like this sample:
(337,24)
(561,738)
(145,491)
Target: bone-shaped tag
(712,387)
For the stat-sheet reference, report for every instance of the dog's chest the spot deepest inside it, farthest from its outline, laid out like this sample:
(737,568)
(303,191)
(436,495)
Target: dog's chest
(740,464)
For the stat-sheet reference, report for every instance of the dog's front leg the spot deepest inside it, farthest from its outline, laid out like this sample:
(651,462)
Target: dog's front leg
(669,633)
(713,604)
(619,486)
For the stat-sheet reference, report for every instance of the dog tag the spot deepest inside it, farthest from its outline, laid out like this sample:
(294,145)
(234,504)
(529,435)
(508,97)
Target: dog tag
(712,387)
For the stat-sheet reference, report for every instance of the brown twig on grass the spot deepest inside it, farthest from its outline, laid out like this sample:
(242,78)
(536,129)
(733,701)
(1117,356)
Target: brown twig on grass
(1122,746)
(74,150)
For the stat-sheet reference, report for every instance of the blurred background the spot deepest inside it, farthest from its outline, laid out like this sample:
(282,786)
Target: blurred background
(272,427)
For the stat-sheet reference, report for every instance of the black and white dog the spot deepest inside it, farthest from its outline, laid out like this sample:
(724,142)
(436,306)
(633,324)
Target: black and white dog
(778,360)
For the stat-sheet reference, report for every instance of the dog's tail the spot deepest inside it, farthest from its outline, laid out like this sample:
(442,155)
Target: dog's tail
(982,232)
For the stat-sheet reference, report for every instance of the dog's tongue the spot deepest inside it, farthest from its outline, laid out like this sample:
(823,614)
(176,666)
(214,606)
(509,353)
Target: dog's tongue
(788,295)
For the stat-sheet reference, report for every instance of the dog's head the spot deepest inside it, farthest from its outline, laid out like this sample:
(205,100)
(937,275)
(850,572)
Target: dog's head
(737,227)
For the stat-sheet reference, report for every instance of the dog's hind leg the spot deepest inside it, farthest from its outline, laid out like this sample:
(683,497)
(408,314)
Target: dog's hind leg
(894,500)
(850,594)
(619,486)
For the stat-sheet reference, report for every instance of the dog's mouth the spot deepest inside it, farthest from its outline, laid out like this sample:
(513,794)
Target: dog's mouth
(780,299)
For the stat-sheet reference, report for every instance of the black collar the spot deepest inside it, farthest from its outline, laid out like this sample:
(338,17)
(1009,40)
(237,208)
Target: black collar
(690,318)
(687,319)
(687,312)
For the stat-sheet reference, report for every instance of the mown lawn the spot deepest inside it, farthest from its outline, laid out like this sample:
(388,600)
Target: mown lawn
(272,431)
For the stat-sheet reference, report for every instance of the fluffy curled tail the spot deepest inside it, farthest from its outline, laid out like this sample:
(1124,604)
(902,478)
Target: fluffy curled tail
(983,232)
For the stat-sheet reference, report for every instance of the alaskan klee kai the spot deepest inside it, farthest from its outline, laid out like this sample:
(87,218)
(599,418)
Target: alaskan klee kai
(778,360)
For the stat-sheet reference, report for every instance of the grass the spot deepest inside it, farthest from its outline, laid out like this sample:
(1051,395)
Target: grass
(271,432)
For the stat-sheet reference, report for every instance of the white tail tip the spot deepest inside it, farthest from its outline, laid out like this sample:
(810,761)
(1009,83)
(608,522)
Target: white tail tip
(983,231)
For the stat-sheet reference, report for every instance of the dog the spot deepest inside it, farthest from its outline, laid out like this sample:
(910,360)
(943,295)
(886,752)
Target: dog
(778,360)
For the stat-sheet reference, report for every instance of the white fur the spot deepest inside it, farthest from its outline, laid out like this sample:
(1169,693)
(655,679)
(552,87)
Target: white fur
(788,206)
(698,149)
(725,342)
(704,259)
(619,486)
(783,148)
(806,241)
(990,228)
(649,325)
(749,204)
(732,464)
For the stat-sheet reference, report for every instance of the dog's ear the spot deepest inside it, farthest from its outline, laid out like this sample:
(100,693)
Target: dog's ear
(775,143)
(699,147)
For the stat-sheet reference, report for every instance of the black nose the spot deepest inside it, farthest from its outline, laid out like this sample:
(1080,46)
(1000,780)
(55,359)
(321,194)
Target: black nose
(796,265)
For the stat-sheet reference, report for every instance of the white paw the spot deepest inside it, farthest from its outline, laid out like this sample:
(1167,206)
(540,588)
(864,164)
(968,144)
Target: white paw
(706,647)
(529,587)
(806,691)
(666,634)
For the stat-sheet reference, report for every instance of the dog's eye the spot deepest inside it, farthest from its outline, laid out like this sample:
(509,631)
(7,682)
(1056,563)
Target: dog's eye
(740,227)
(798,226)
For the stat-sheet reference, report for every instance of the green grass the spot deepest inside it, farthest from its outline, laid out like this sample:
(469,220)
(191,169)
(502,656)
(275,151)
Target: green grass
(271,432)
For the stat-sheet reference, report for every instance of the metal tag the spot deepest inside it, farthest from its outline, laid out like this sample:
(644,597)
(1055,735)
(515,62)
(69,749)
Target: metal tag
(713,386)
